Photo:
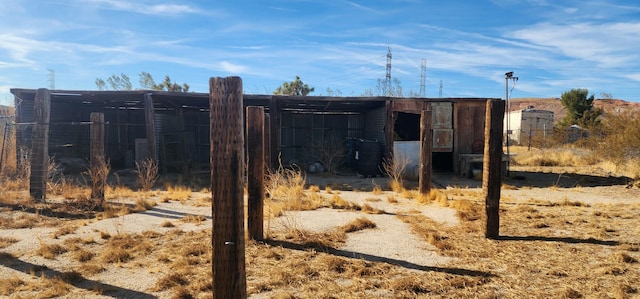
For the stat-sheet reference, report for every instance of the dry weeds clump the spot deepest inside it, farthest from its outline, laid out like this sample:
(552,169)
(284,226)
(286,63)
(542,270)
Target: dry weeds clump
(434,195)
(286,192)
(553,157)
(358,224)
(5,242)
(147,173)
(394,168)
(177,193)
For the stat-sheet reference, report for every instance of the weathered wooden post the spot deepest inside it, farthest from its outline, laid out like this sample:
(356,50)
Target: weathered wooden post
(40,146)
(426,145)
(150,122)
(492,165)
(255,171)
(267,141)
(97,158)
(227,165)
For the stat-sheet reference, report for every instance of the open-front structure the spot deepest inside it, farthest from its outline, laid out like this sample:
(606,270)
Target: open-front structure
(173,128)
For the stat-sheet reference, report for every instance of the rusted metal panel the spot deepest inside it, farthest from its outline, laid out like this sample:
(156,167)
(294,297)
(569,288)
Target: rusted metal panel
(442,115)
(442,140)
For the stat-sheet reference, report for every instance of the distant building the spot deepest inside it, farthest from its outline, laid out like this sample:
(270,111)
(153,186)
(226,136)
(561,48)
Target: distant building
(520,126)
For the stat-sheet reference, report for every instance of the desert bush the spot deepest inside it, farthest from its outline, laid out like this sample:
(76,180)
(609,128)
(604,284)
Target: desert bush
(331,152)
(147,173)
(620,139)
(394,168)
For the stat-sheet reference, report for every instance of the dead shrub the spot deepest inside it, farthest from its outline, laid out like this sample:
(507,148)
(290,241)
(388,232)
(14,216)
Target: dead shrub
(147,173)
(394,168)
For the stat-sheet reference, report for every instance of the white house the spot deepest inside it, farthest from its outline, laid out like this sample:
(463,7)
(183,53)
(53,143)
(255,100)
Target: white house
(520,126)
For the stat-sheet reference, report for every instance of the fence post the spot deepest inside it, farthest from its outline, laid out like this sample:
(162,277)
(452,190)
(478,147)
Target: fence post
(267,141)
(426,145)
(255,171)
(492,165)
(150,122)
(227,165)
(40,146)
(98,177)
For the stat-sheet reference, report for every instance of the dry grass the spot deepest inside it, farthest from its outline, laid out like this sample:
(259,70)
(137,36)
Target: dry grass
(144,204)
(6,242)
(553,157)
(434,195)
(358,224)
(50,251)
(176,193)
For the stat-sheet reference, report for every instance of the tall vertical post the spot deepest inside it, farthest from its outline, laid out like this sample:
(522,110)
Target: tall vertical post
(40,146)
(492,165)
(150,122)
(426,145)
(255,171)
(274,129)
(227,192)
(267,141)
(97,158)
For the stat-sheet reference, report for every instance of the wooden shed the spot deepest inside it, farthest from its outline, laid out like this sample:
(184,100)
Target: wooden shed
(174,127)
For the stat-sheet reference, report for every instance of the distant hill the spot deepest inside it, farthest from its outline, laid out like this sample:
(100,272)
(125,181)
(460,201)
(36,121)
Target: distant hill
(610,106)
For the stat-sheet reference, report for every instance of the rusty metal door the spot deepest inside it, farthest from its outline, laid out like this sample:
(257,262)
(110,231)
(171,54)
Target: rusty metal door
(442,124)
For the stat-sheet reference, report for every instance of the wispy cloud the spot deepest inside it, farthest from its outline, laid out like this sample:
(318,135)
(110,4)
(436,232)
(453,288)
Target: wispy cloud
(146,8)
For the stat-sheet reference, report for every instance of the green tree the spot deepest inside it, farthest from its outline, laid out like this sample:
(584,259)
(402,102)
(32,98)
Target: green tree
(294,88)
(580,109)
(146,81)
(117,82)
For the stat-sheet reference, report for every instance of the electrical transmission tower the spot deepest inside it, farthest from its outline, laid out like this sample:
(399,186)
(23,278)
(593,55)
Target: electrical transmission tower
(423,78)
(388,76)
(440,93)
(52,79)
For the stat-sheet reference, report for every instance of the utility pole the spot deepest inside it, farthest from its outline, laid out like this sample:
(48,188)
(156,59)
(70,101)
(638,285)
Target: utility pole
(52,79)
(440,93)
(423,78)
(507,76)
(388,76)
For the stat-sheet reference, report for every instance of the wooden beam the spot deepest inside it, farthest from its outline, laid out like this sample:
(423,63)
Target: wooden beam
(274,115)
(492,166)
(150,123)
(227,187)
(97,158)
(267,141)
(255,172)
(40,146)
(389,130)
(426,144)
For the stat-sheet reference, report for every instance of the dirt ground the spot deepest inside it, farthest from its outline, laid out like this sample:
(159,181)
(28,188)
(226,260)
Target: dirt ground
(392,242)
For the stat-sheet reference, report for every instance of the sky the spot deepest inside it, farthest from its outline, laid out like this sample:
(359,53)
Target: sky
(339,47)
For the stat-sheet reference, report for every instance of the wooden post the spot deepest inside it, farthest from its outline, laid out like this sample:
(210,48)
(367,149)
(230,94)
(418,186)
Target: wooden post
(150,122)
(267,141)
(40,146)
(97,158)
(255,171)
(426,145)
(227,165)
(492,165)
(389,130)
(274,135)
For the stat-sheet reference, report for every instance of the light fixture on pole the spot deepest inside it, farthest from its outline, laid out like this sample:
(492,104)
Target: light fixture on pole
(507,76)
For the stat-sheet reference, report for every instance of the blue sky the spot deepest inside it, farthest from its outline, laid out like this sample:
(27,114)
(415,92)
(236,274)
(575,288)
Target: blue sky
(552,46)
